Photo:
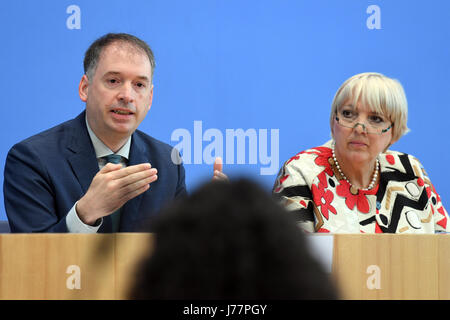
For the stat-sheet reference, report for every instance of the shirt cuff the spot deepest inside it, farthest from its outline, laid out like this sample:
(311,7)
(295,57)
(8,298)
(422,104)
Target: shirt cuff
(75,225)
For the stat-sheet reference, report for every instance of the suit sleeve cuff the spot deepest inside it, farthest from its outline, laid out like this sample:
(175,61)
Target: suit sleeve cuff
(75,225)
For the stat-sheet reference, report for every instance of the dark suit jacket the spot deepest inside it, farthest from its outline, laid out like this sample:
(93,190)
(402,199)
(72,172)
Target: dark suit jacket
(47,173)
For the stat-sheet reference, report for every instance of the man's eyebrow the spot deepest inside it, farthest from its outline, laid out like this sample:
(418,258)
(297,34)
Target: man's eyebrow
(117,73)
(144,78)
(111,73)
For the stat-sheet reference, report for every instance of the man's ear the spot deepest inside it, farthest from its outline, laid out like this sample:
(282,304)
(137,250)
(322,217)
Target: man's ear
(83,88)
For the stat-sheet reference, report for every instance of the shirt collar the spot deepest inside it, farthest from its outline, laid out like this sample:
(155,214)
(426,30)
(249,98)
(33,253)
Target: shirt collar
(101,150)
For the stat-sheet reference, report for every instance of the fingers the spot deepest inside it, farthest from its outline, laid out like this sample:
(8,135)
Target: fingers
(137,184)
(109,167)
(218,164)
(124,172)
(135,193)
(218,168)
(136,188)
(131,181)
(126,180)
(148,176)
(112,187)
(220,176)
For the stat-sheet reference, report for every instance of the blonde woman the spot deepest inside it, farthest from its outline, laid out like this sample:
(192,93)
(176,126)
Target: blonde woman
(354,183)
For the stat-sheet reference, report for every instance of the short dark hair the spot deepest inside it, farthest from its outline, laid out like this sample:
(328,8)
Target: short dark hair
(94,51)
(230,241)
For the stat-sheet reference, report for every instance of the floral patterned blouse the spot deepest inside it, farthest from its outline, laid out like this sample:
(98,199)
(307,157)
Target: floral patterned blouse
(404,200)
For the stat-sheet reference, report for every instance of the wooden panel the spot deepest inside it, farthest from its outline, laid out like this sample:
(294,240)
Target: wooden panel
(95,255)
(34,266)
(407,266)
(130,249)
(444,267)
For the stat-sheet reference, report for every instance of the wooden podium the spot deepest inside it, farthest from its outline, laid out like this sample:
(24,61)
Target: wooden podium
(102,266)
(390,266)
(70,266)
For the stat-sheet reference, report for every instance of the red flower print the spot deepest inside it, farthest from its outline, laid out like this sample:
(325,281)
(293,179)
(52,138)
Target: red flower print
(390,158)
(362,204)
(323,230)
(296,157)
(323,198)
(323,154)
(320,150)
(323,183)
(322,159)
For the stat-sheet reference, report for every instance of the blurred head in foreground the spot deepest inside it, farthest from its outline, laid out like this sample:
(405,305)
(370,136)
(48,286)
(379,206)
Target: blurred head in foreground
(230,240)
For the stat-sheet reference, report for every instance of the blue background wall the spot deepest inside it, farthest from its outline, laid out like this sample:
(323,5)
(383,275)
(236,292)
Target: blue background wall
(235,64)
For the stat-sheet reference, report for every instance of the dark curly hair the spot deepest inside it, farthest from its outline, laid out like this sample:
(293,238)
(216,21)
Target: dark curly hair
(230,240)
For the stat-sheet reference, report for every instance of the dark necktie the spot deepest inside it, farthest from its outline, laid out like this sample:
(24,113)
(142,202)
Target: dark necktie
(113,158)
(115,216)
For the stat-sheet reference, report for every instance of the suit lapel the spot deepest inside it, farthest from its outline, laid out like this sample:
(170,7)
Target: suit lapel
(83,160)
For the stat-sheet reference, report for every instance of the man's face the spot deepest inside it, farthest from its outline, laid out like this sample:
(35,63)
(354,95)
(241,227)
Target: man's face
(119,94)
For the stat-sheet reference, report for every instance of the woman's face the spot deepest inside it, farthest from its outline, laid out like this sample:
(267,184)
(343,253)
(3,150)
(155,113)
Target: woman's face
(355,144)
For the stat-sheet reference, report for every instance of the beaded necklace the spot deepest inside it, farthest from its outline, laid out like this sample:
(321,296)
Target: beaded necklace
(374,178)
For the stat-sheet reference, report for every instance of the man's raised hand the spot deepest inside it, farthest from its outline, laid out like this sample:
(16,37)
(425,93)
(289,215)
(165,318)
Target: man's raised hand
(112,187)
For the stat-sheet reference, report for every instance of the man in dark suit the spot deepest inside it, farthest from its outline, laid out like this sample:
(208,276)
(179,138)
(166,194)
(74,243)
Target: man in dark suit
(97,172)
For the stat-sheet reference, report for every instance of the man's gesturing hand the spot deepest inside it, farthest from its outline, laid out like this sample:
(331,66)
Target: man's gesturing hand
(218,173)
(112,187)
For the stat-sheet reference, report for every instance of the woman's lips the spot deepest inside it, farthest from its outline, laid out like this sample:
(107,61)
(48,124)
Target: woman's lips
(358,143)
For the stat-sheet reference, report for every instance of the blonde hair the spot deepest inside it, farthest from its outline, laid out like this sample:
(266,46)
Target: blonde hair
(381,94)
